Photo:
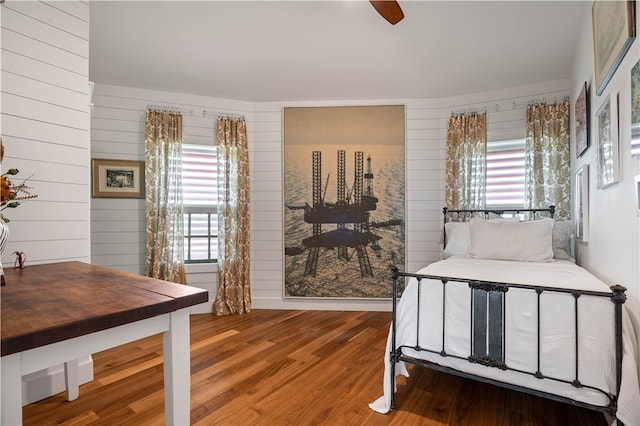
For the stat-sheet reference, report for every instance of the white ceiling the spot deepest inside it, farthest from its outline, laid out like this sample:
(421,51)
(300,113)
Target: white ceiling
(331,50)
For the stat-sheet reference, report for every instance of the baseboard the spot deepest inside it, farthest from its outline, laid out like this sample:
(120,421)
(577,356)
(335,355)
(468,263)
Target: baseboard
(45,383)
(319,304)
(202,308)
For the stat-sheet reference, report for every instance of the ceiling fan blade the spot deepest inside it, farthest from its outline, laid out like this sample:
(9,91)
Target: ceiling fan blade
(389,9)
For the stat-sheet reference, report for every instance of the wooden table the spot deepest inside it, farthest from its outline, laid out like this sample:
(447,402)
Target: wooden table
(56,313)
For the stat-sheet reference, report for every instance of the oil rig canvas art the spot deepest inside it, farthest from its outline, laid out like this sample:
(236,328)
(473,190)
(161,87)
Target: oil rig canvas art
(344,200)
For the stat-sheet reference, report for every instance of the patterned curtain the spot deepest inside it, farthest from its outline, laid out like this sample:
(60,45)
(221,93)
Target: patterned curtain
(547,167)
(163,188)
(466,161)
(234,289)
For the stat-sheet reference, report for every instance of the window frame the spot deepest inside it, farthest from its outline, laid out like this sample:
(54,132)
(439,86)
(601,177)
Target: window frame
(191,209)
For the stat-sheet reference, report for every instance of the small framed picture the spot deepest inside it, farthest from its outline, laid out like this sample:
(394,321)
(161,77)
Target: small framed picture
(635,109)
(636,182)
(582,121)
(117,178)
(582,203)
(606,133)
(614,30)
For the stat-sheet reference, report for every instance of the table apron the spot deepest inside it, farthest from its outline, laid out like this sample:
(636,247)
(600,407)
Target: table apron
(37,359)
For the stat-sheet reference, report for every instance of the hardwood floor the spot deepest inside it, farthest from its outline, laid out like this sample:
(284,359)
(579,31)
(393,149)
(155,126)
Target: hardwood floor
(277,367)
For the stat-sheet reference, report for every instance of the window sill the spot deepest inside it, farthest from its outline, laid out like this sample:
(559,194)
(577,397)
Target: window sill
(201,268)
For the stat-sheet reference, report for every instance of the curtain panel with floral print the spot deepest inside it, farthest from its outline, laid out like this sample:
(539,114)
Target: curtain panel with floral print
(234,288)
(163,189)
(466,161)
(547,162)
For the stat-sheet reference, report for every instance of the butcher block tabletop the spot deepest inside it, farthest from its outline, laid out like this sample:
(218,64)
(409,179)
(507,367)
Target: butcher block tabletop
(44,304)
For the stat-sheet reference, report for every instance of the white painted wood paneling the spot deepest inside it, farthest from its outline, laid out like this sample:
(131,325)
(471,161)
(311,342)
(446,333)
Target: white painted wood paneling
(45,124)
(16,63)
(69,16)
(63,141)
(40,21)
(45,127)
(40,50)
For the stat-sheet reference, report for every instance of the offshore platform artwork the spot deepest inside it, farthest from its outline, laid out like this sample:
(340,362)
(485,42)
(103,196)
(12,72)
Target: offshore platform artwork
(344,208)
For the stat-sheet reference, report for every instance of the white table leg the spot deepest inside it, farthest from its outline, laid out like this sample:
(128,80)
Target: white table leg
(11,392)
(72,379)
(177,370)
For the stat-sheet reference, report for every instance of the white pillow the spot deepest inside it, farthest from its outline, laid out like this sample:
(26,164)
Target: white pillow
(521,241)
(562,240)
(458,236)
(457,239)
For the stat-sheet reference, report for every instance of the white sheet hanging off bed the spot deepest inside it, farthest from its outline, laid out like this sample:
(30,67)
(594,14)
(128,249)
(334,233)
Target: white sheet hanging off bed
(596,325)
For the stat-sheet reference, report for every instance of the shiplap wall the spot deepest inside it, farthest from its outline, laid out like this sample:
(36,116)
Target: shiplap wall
(118,132)
(45,127)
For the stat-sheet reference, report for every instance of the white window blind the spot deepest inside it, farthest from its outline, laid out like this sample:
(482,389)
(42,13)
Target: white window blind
(505,173)
(199,175)
(200,198)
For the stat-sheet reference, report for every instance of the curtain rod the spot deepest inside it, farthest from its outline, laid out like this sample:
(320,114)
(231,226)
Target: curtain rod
(464,111)
(514,105)
(193,112)
(170,108)
(541,101)
(230,115)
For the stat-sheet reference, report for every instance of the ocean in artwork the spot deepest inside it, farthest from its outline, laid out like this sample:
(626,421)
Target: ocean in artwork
(328,274)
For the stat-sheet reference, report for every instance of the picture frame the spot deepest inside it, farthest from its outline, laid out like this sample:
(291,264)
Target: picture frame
(614,30)
(635,110)
(343,185)
(606,132)
(581,111)
(582,203)
(636,184)
(117,178)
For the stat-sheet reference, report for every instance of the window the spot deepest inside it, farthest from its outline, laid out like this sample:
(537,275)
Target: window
(200,199)
(505,173)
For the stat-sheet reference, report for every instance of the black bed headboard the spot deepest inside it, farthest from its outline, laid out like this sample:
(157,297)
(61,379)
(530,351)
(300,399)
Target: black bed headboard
(450,215)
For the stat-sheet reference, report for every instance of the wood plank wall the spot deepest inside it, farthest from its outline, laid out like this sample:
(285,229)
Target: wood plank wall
(118,132)
(45,124)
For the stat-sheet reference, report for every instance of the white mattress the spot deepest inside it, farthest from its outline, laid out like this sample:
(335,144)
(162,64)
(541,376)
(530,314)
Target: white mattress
(596,331)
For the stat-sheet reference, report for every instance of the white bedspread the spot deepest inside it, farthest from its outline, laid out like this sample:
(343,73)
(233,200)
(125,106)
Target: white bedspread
(596,331)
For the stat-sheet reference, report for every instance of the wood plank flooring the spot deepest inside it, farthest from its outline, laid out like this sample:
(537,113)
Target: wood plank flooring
(279,367)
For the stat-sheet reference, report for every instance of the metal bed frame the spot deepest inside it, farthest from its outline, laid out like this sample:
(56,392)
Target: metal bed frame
(488,319)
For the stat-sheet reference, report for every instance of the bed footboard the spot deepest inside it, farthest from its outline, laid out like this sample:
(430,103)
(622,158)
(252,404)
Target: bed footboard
(488,340)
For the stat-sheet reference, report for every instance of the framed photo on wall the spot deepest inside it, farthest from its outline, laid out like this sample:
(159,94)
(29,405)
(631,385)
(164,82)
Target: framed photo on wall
(582,203)
(635,109)
(582,120)
(344,196)
(117,178)
(607,158)
(614,30)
